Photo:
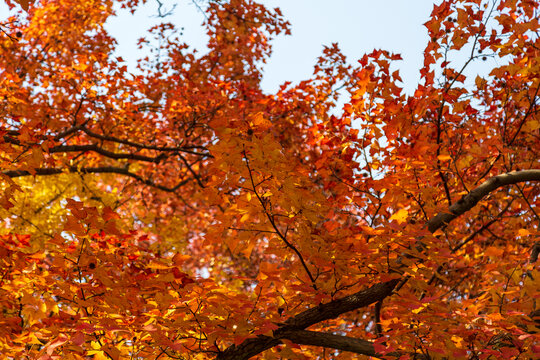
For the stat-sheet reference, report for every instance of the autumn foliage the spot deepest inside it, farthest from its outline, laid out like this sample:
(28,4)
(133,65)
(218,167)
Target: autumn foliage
(180,212)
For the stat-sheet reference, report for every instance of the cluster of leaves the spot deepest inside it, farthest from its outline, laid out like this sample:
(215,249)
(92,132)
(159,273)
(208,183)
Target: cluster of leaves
(181,212)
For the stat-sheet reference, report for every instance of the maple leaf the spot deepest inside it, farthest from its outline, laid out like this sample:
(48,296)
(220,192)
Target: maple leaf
(400,216)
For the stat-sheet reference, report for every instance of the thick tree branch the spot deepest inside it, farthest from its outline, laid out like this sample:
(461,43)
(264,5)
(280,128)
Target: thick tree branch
(534,252)
(344,343)
(468,201)
(337,307)
(314,315)
(293,328)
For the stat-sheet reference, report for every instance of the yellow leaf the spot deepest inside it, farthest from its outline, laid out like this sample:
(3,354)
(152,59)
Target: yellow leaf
(400,216)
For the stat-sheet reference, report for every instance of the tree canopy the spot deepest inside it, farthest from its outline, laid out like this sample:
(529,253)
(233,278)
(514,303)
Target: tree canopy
(181,212)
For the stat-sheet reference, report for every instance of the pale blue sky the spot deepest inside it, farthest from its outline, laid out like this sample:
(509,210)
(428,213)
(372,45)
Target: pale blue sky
(358,26)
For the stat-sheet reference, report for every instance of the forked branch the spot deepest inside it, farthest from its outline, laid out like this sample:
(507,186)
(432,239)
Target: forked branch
(293,329)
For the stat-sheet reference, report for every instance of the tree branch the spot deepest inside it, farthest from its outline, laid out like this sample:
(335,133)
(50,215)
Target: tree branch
(185,149)
(272,221)
(293,328)
(11,137)
(106,153)
(95,170)
(468,201)
(253,346)
(337,307)
(327,340)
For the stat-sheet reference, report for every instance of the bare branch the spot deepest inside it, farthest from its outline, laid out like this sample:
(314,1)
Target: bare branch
(185,149)
(106,153)
(344,343)
(468,201)
(95,170)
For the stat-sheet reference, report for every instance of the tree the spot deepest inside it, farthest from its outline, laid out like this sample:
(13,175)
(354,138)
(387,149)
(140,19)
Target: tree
(183,213)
